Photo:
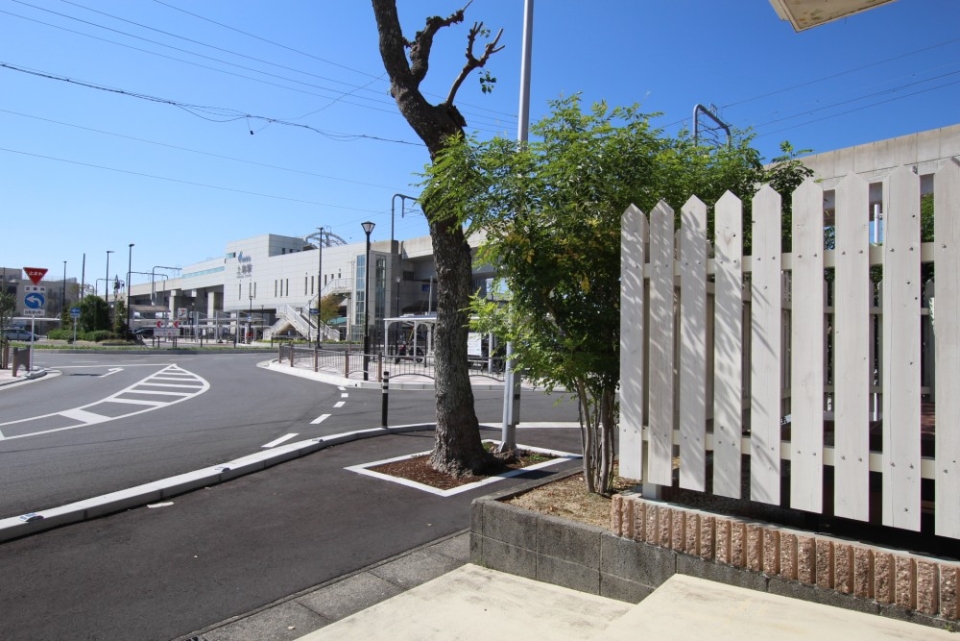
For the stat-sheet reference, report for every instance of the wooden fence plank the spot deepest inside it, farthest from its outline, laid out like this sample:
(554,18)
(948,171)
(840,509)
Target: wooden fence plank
(806,346)
(693,345)
(728,347)
(633,237)
(901,353)
(660,458)
(765,343)
(946,324)
(852,350)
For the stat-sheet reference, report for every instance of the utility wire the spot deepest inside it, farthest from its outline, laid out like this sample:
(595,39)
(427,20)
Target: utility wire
(213,114)
(182,182)
(513,116)
(197,151)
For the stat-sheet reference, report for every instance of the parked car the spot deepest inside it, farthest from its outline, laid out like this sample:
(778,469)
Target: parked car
(19,335)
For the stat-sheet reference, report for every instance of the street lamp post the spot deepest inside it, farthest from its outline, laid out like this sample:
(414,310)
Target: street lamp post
(393,205)
(396,328)
(319,281)
(250,315)
(106,287)
(63,293)
(367,229)
(129,285)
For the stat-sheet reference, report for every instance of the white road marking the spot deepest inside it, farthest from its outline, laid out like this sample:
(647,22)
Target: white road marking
(2,436)
(164,504)
(152,384)
(278,441)
(112,370)
(342,389)
(319,419)
(84,416)
(338,405)
(144,405)
(130,401)
(157,392)
(344,395)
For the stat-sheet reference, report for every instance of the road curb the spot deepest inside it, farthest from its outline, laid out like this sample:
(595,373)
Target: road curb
(41,520)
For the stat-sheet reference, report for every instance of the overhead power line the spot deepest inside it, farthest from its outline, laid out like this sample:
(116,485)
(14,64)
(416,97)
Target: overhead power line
(213,114)
(182,182)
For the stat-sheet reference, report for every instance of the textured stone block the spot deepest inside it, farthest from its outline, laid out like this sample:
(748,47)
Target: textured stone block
(569,575)
(664,525)
(905,588)
(651,530)
(614,587)
(806,559)
(639,519)
(616,514)
(949,606)
(678,531)
(883,577)
(862,572)
(563,539)
(771,551)
(843,568)
(504,557)
(628,525)
(708,537)
(814,594)
(648,564)
(754,546)
(691,532)
(738,544)
(824,561)
(928,587)
(510,524)
(723,541)
(788,556)
(728,574)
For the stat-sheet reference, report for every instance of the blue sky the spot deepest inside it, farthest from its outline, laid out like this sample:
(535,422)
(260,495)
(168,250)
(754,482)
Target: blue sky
(86,170)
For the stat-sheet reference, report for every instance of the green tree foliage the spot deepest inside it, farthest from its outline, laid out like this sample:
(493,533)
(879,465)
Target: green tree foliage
(94,314)
(551,211)
(330,307)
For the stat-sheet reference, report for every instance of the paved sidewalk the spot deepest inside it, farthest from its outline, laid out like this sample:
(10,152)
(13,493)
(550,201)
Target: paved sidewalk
(7,377)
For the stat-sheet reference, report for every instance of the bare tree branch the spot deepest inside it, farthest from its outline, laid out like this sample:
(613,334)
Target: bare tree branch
(423,42)
(472,61)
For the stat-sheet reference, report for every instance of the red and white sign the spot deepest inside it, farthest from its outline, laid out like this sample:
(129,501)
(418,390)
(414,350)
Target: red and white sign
(35,274)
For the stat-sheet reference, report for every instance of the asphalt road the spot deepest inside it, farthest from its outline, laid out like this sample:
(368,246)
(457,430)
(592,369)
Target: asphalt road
(165,415)
(162,572)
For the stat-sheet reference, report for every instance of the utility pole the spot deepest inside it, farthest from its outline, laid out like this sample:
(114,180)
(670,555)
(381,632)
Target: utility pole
(106,288)
(319,281)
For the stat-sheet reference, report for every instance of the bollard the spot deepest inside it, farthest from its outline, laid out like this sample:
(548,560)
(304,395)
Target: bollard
(385,398)
(346,363)
(379,367)
(316,360)
(290,348)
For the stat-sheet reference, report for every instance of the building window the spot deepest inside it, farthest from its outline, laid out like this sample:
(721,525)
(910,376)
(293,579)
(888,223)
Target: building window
(311,285)
(304,285)
(239,291)
(287,280)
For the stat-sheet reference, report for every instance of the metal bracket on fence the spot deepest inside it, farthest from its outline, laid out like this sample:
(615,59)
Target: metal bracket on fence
(385,399)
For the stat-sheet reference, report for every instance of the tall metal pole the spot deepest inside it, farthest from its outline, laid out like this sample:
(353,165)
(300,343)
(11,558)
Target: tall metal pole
(367,229)
(83,277)
(63,293)
(129,285)
(511,384)
(106,288)
(319,281)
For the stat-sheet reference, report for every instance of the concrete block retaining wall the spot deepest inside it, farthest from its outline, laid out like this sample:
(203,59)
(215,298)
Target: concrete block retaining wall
(650,541)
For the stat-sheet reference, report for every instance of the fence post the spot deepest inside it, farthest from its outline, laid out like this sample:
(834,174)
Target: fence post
(346,363)
(385,399)
(380,367)
(316,360)
(291,354)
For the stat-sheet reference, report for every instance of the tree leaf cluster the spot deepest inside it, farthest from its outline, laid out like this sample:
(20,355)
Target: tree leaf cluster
(551,212)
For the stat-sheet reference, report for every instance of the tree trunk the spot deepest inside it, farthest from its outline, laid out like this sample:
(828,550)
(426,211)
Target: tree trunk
(458,449)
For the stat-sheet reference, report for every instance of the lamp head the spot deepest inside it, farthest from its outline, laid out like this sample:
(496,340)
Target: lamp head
(368,227)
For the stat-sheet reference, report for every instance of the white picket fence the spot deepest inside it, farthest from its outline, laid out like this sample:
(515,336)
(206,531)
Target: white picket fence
(725,355)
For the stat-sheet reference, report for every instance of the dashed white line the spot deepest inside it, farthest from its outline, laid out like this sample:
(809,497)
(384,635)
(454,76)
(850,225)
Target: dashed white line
(319,419)
(338,405)
(278,441)
(344,395)
(341,388)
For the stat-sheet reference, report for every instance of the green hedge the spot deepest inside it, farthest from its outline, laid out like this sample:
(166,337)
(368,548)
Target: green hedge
(67,335)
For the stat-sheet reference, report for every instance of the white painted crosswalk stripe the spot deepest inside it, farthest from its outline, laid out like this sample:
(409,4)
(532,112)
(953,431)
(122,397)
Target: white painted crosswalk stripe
(338,405)
(319,419)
